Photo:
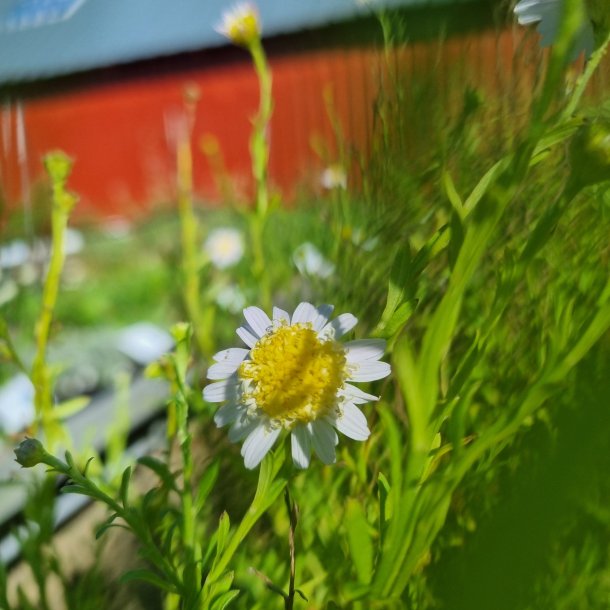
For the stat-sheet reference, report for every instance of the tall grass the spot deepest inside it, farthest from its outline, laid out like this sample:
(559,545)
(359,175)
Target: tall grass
(483,484)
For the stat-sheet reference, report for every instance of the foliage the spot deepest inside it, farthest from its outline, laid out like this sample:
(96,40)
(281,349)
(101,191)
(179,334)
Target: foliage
(483,484)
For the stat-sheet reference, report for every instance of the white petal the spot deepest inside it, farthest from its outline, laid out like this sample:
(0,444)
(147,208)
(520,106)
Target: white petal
(364,349)
(242,426)
(221,370)
(324,439)
(221,390)
(324,313)
(232,355)
(227,414)
(279,315)
(305,312)
(300,441)
(257,445)
(339,326)
(356,395)
(245,334)
(257,319)
(352,423)
(369,370)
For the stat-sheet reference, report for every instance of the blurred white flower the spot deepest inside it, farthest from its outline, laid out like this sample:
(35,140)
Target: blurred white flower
(144,342)
(224,247)
(74,242)
(334,177)
(8,290)
(231,298)
(310,261)
(547,14)
(240,24)
(14,254)
(16,404)
(359,238)
(294,376)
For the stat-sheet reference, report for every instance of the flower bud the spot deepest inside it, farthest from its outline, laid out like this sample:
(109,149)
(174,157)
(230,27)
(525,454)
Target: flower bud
(30,452)
(241,25)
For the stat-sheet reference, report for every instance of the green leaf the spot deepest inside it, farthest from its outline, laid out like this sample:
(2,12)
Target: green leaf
(359,540)
(149,577)
(395,442)
(488,179)
(105,526)
(220,586)
(160,469)
(78,489)
(70,407)
(556,135)
(452,195)
(385,507)
(222,533)
(124,492)
(398,319)
(222,602)
(205,485)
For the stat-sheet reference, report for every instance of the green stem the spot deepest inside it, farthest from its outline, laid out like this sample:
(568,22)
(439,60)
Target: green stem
(259,140)
(259,150)
(270,484)
(189,234)
(584,79)
(58,167)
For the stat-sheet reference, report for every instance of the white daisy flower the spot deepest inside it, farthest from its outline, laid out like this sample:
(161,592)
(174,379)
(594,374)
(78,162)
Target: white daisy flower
(547,14)
(224,247)
(310,261)
(334,177)
(294,376)
(230,298)
(14,254)
(240,24)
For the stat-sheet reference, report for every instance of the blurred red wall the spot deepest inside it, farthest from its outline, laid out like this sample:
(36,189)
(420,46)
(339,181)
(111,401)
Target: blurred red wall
(121,131)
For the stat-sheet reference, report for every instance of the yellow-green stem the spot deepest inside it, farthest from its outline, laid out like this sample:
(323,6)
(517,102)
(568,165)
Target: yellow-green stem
(58,167)
(189,227)
(259,150)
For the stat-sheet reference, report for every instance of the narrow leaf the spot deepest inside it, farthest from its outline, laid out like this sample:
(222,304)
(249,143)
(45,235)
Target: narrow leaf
(160,469)
(359,540)
(149,577)
(70,407)
(124,493)
(222,602)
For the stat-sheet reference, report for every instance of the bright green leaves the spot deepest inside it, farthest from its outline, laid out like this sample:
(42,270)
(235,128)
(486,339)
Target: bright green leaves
(359,540)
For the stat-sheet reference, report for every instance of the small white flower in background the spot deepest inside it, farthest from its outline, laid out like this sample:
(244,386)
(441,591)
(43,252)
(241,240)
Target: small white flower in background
(144,342)
(14,254)
(547,14)
(334,177)
(310,261)
(8,290)
(16,404)
(359,239)
(240,24)
(224,247)
(231,298)
(74,242)
(294,376)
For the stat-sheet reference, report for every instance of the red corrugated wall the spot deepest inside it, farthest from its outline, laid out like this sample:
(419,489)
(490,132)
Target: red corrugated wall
(119,132)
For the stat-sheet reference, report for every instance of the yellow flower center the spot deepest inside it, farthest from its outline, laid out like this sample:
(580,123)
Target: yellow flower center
(294,375)
(244,29)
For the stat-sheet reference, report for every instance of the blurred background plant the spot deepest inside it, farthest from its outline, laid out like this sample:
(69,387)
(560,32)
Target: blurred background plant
(476,242)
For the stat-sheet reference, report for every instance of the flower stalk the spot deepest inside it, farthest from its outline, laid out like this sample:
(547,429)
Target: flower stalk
(58,167)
